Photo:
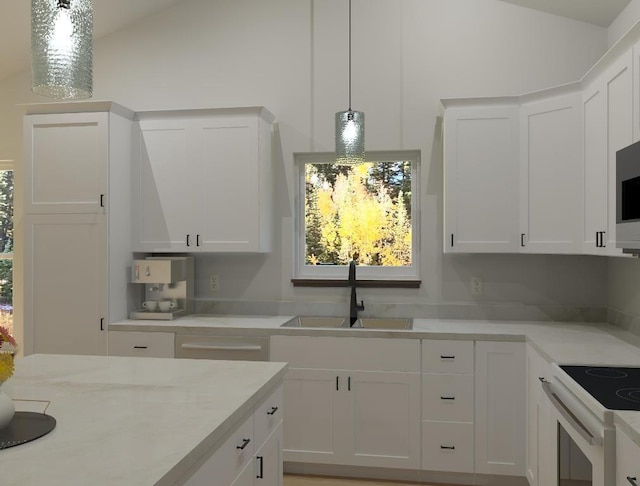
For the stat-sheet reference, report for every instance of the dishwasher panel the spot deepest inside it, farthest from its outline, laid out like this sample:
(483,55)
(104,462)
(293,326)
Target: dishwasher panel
(238,348)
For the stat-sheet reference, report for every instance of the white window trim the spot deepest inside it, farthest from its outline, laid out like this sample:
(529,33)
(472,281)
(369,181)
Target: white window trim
(326,272)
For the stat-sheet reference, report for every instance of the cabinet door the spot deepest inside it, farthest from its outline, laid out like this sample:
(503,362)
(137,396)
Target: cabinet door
(310,433)
(595,167)
(165,186)
(551,175)
(500,414)
(618,85)
(385,416)
(268,460)
(537,368)
(66,284)
(246,478)
(66,163)
(627,454)
(229,185)
(481,179)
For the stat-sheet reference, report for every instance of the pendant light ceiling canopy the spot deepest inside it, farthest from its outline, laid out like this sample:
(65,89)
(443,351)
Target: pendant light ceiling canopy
(349,126)
(62,48)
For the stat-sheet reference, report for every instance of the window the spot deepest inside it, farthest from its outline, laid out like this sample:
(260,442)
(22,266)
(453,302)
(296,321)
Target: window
(6,244)
(364,212)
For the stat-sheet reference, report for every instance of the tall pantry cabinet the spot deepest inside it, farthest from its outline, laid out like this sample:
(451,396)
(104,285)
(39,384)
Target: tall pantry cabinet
(77,224)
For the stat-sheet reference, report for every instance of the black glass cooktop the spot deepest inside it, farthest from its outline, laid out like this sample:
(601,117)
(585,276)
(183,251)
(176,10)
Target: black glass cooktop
(616,388)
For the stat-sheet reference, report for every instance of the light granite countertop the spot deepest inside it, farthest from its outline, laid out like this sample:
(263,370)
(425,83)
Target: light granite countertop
(559,342)
(133,421)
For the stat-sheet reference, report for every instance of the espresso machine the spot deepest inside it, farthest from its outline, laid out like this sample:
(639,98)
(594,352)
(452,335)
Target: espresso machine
(168,287)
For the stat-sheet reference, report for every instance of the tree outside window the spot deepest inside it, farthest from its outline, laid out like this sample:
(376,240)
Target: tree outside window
(6,245)
(363,212)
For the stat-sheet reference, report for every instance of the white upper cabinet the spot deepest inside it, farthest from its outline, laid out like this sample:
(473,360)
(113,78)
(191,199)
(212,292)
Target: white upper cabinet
(607,127)
(481,179)
(551,175)
(66,162)
(202,181)
(566,154)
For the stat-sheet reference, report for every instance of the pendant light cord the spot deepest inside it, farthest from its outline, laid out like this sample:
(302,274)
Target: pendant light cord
(349,55)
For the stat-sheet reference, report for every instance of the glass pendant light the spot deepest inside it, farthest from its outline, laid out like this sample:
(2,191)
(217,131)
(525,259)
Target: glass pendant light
(62,48)
(349,126)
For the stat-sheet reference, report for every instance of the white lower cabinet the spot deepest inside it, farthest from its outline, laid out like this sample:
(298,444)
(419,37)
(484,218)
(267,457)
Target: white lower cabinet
(540,453)
(447,446)
(447,406)
(141,344)
(357,416)
(500,414)
(627,455)
(252,454)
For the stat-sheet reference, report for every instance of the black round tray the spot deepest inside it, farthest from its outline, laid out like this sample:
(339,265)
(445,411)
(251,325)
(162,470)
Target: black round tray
(25,427)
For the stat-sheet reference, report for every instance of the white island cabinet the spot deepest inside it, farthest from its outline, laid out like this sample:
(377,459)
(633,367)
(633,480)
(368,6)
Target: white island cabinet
(149,421)
(627,456)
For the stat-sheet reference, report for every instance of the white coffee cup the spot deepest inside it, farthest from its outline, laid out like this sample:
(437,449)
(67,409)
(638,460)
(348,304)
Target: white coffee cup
(150,305)
(166,305)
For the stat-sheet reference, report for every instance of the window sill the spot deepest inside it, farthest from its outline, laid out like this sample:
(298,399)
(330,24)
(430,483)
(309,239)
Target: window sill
(388,284)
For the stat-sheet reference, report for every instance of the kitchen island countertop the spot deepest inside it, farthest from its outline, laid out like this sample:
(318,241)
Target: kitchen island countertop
(133,421)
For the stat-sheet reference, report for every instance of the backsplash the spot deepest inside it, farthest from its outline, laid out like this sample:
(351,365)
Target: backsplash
(494,312)
(624,321)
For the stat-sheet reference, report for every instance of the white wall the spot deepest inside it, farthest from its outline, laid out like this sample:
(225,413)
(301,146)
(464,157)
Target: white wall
(290,56)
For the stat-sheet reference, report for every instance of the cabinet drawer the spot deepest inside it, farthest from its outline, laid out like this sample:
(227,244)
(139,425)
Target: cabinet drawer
(447,446)
(340,353)
(229,460)
(267,416)
(442,356)
(141,344)
(447,398)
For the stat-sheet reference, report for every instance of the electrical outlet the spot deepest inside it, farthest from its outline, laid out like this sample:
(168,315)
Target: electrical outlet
(476,286)
(213,283)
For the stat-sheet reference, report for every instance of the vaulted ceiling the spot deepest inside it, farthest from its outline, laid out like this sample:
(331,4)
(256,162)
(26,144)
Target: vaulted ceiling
(113,15)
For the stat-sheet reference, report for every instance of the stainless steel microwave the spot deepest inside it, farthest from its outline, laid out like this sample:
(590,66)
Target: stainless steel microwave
(628,198)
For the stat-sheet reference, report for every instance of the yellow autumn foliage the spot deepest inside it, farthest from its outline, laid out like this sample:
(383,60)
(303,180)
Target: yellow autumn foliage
(359,221)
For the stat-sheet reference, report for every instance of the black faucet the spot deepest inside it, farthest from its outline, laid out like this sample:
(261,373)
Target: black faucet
(354,307)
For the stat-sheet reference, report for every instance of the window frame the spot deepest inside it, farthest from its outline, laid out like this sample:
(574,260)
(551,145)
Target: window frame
(331,272)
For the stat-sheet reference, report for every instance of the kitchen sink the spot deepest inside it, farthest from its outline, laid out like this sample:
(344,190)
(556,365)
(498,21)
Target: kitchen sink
(383,323)
(307,321)
(362,323)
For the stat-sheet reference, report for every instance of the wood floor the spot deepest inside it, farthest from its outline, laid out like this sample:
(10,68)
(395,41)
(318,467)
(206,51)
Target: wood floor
(294,480)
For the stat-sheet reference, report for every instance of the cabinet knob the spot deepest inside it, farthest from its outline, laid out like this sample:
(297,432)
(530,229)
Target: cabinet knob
(272,411)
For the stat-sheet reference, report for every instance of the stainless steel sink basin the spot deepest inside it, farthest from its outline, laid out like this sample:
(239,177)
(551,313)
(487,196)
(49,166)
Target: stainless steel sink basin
(384,323)
(362,323)
(308,321)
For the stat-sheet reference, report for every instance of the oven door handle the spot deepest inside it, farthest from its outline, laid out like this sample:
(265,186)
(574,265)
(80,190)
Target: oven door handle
(569,417)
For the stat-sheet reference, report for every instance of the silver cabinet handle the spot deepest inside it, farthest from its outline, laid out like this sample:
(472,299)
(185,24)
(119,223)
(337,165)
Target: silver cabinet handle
(217,347)
(569,417)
